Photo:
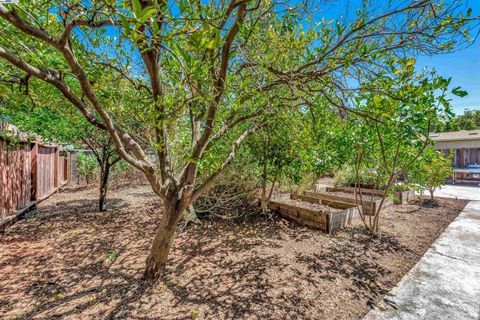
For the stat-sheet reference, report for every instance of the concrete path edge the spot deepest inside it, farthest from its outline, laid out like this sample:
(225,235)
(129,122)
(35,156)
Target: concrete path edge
(445,282)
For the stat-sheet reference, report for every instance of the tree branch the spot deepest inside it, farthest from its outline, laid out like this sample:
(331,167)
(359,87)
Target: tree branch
(199,190)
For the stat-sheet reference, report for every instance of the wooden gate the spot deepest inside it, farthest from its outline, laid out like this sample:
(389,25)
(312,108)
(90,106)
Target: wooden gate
(47,171)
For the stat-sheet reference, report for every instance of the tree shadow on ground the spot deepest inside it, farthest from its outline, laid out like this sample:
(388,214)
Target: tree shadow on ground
(356,263)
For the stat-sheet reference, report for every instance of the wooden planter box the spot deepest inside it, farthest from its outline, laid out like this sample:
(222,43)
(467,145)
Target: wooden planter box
(369,206)
(326,221)
(401,196)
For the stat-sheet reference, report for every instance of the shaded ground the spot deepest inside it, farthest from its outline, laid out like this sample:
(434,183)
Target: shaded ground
(69,261)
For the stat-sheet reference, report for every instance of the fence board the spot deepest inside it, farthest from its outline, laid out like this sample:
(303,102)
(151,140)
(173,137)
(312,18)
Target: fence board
(15,176)
(46,171)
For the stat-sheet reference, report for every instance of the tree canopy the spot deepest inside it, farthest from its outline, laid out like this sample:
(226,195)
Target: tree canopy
(469,120)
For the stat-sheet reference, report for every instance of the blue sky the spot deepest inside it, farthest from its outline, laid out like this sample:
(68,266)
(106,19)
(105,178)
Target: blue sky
(464,69)
(462,66)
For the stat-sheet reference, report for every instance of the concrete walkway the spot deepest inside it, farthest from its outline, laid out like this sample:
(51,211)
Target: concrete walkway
(471,192)
(445,283)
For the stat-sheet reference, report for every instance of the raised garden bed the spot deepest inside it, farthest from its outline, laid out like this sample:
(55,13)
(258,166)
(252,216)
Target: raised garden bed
(400,196)
(370,205)
(326,215)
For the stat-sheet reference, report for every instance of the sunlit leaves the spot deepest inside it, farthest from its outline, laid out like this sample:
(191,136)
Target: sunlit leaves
(458,92)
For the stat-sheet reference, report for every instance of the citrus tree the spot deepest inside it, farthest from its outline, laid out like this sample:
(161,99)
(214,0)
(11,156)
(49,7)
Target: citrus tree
(393,140)
(431,170)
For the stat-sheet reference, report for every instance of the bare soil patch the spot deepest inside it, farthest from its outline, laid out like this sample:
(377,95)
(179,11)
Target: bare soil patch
(68,261)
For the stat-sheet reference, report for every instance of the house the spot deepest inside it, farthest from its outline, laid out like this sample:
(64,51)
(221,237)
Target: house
(465,145)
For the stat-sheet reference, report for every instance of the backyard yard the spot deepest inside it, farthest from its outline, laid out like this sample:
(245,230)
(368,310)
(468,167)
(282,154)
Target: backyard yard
(67,260)
(239,159)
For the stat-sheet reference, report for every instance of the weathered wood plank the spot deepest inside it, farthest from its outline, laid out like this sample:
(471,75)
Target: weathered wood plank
(15,177)
(400,196)
(369,206)
(326,221)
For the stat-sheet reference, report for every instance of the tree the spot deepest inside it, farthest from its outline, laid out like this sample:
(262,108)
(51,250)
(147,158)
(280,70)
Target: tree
(208,75)
(431,171)
(104,152)
(470,120)
(393,140)
(298,148)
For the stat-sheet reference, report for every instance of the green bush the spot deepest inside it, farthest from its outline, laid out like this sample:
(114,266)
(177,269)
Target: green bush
(431,170)
(87,167)
(346,176)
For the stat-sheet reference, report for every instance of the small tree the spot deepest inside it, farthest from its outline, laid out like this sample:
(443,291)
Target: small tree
(391,140)
(431,171)
(280,149)
(104,151)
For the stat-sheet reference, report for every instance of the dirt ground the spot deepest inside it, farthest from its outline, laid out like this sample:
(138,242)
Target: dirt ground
(68,261)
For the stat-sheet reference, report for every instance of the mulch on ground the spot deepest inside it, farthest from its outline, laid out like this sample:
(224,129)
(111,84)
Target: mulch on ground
(68,261)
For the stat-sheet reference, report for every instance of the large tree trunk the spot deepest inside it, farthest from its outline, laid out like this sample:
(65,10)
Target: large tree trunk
(162,242)
(102,199)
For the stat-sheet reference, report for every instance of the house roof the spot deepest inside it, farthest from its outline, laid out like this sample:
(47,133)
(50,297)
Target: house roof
(455,135)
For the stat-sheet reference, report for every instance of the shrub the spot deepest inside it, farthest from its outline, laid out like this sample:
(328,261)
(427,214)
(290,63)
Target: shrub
(431,171)
(87,167)
(346,176)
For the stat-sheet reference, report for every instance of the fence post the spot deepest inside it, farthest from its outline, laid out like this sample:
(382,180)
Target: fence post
(3,184)
(34,171)
(56,164)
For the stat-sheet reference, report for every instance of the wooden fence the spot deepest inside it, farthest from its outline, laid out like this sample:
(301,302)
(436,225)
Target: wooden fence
(47,180)
(15,172)
(29,171)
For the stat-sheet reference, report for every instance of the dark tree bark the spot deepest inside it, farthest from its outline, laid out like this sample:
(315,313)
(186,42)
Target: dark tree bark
(104,153)
(104,177)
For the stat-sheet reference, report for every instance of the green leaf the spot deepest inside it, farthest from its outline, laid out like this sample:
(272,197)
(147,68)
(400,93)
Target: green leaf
(137,8)
(156,28)
(147,13)
(125,24)
(214,43)
(460,93)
